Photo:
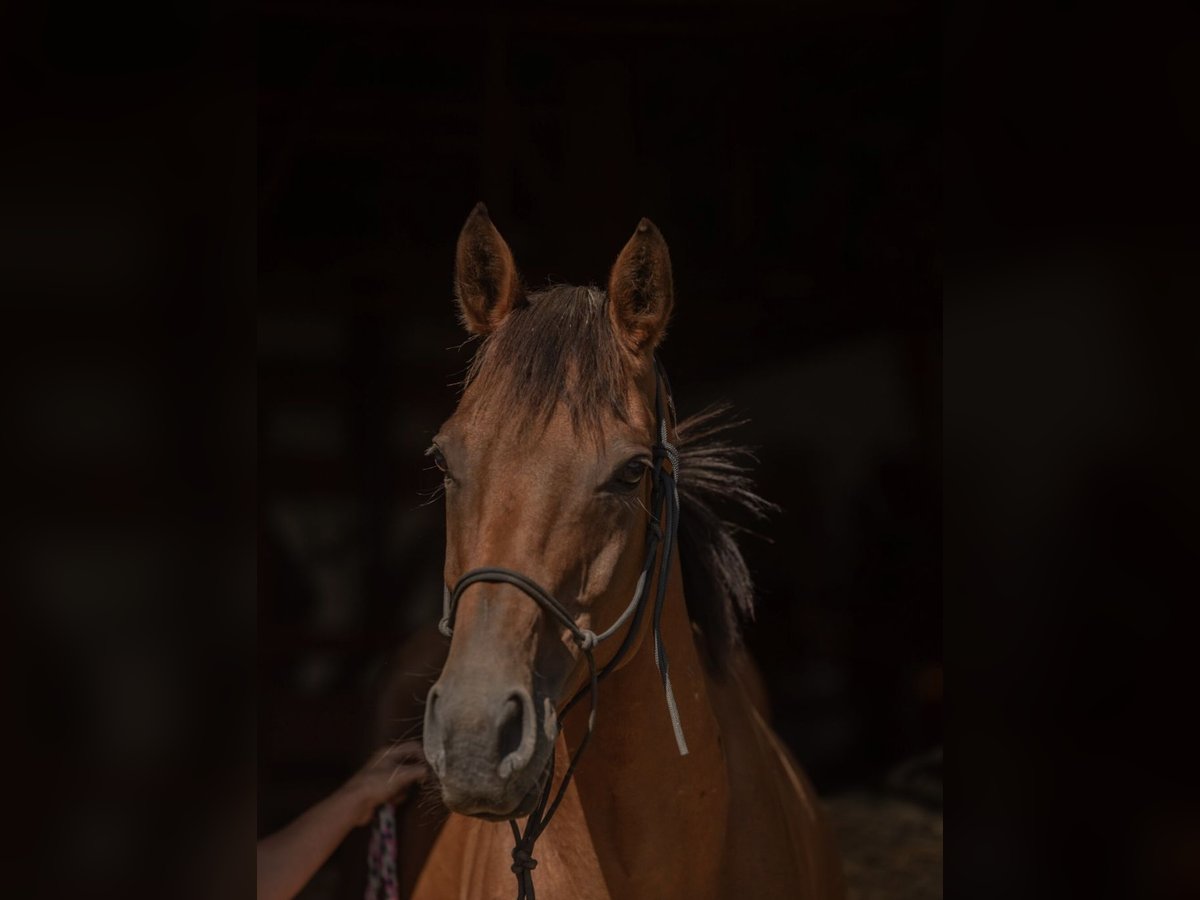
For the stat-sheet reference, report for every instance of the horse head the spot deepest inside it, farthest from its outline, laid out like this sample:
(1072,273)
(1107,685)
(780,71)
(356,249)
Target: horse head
(546,462)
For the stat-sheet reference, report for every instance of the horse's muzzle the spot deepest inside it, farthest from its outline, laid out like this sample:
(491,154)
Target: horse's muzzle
(484,744)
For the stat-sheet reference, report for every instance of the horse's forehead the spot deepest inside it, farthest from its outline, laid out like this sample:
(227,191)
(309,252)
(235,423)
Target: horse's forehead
(557,438)
(493,428)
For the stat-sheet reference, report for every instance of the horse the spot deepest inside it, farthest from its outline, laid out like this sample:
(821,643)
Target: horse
(566,479)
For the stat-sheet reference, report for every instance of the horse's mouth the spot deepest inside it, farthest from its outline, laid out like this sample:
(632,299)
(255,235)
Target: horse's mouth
(522,808)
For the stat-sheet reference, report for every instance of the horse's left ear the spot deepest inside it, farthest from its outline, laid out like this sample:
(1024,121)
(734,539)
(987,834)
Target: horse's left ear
(640,289)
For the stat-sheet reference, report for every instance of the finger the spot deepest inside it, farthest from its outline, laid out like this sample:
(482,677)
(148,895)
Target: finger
(404,777)
(407,751)
(395,755)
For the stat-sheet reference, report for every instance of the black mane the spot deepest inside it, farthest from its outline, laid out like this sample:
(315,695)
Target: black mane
(561,347)
(714,475)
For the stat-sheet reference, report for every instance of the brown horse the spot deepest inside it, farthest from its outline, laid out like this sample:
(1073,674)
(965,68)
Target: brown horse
(548,464)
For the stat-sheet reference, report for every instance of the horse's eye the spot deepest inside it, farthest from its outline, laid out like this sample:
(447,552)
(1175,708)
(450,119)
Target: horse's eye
(630,474)
(439,459)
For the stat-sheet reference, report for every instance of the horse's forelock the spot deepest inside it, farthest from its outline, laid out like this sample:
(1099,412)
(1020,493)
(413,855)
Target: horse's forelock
(561,347)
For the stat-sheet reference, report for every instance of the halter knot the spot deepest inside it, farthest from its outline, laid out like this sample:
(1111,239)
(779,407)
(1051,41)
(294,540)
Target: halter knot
(587,639)
(523,860)
(444,628)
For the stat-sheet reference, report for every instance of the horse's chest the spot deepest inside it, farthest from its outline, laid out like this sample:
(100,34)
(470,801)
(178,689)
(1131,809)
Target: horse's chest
(472,861)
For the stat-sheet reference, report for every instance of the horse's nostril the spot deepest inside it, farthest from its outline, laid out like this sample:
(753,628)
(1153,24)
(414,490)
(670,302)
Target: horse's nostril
(516,737)
(435,751)
(432,725)
(512,727)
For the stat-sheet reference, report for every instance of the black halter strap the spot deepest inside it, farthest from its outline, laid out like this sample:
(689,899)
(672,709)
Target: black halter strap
(660,535)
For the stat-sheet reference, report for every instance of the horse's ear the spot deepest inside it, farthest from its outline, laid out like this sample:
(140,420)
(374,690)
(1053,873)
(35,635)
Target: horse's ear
(485,277)
(640,291)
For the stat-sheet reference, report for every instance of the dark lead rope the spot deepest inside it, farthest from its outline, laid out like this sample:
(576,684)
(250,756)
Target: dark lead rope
(661,533)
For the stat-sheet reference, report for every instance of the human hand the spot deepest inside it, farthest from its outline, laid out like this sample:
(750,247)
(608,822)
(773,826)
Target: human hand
(387,777)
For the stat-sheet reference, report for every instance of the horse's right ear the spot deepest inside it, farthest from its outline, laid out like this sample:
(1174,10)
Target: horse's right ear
(485,276)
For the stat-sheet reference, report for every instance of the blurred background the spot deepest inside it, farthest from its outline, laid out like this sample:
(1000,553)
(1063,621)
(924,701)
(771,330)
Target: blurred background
(789,156)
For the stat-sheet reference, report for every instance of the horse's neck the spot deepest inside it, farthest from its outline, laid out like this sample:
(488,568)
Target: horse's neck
(639,796)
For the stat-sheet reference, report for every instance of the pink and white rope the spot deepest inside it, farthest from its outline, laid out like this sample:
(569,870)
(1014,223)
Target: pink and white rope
(381,856)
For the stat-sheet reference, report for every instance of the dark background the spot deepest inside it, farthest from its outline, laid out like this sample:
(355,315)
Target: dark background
(791,158)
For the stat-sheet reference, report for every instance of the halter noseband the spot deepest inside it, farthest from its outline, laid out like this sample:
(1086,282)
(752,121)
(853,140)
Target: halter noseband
(661,534)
